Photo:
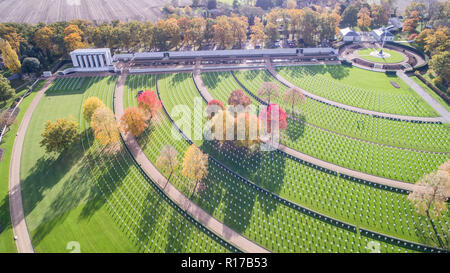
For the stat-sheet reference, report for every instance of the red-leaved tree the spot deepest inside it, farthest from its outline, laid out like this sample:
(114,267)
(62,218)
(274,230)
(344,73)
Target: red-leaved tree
(238,97)
(149,102)
(266,117)
(214,106)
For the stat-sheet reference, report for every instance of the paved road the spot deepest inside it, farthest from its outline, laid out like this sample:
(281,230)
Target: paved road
(195,211)
(19,224)
(324,164)
(425,96)
(280,78)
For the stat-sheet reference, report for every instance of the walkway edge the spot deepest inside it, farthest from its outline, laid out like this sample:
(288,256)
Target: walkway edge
(190,207)
(18,221)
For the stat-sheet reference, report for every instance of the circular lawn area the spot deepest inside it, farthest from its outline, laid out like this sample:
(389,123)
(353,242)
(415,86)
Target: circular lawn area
(391,55)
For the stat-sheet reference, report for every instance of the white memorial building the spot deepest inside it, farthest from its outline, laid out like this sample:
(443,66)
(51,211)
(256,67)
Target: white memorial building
(91,60)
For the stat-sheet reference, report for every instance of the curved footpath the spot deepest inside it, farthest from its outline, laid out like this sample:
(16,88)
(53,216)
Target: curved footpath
(19,225)
(318,162)
(190,207)
(287,83)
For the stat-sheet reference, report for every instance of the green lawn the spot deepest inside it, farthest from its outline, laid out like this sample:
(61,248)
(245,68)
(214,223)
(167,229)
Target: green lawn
(245,209)
(432,93)
(394,57)
(376,159)
(360,88)
(102,202)
(429,137)
(7,243)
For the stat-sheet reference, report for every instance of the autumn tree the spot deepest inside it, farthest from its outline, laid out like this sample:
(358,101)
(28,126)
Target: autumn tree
(6,91)
(268,91)
(416,12)
(258,36)
(410,24)
(439,63)
(238,97)
(222,126)
(58,136)
(223,32)
(89,107)
(273,111)
(73,38)
(168,32)
(430,196)
(294,97)
(167,161)
(10,58)
(420,38)
(11,35)
(247,130)
(364,19)
(213,107)
(195,34)
(195,165)
(133,121)
(7,118)
(272,32)
(380,14)
(150,104)
(105,126)
(239,27)
(438,41)
(43,38)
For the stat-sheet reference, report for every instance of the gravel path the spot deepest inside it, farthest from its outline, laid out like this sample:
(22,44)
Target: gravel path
(20,229)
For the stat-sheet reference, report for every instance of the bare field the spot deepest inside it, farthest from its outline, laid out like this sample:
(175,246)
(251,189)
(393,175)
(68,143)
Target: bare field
(49,11)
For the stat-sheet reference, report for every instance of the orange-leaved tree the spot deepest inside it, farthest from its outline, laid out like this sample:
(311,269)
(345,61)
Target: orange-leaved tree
(105,126)
(133,121)
(195,165)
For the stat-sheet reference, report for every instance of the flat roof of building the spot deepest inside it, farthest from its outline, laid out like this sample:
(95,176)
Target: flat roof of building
(90,50)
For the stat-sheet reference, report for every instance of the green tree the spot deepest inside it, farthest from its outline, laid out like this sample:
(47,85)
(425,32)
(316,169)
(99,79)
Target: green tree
(6,91)
(58,136)
(350,15)
(440,65)
(31,65)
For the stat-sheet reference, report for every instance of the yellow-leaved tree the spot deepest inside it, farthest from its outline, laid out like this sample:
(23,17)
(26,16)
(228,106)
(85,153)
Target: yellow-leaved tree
(195,165)
(10,57)
(429,198)
(89,107)
(105,126)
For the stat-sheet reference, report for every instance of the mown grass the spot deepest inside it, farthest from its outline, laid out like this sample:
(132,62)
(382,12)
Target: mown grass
(274,172)
(7,243)
(102,202)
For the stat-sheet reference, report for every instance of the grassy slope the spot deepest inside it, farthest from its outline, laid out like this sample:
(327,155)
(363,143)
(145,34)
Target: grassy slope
(6,235)
(432,93)
(55,190)
(362,78)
